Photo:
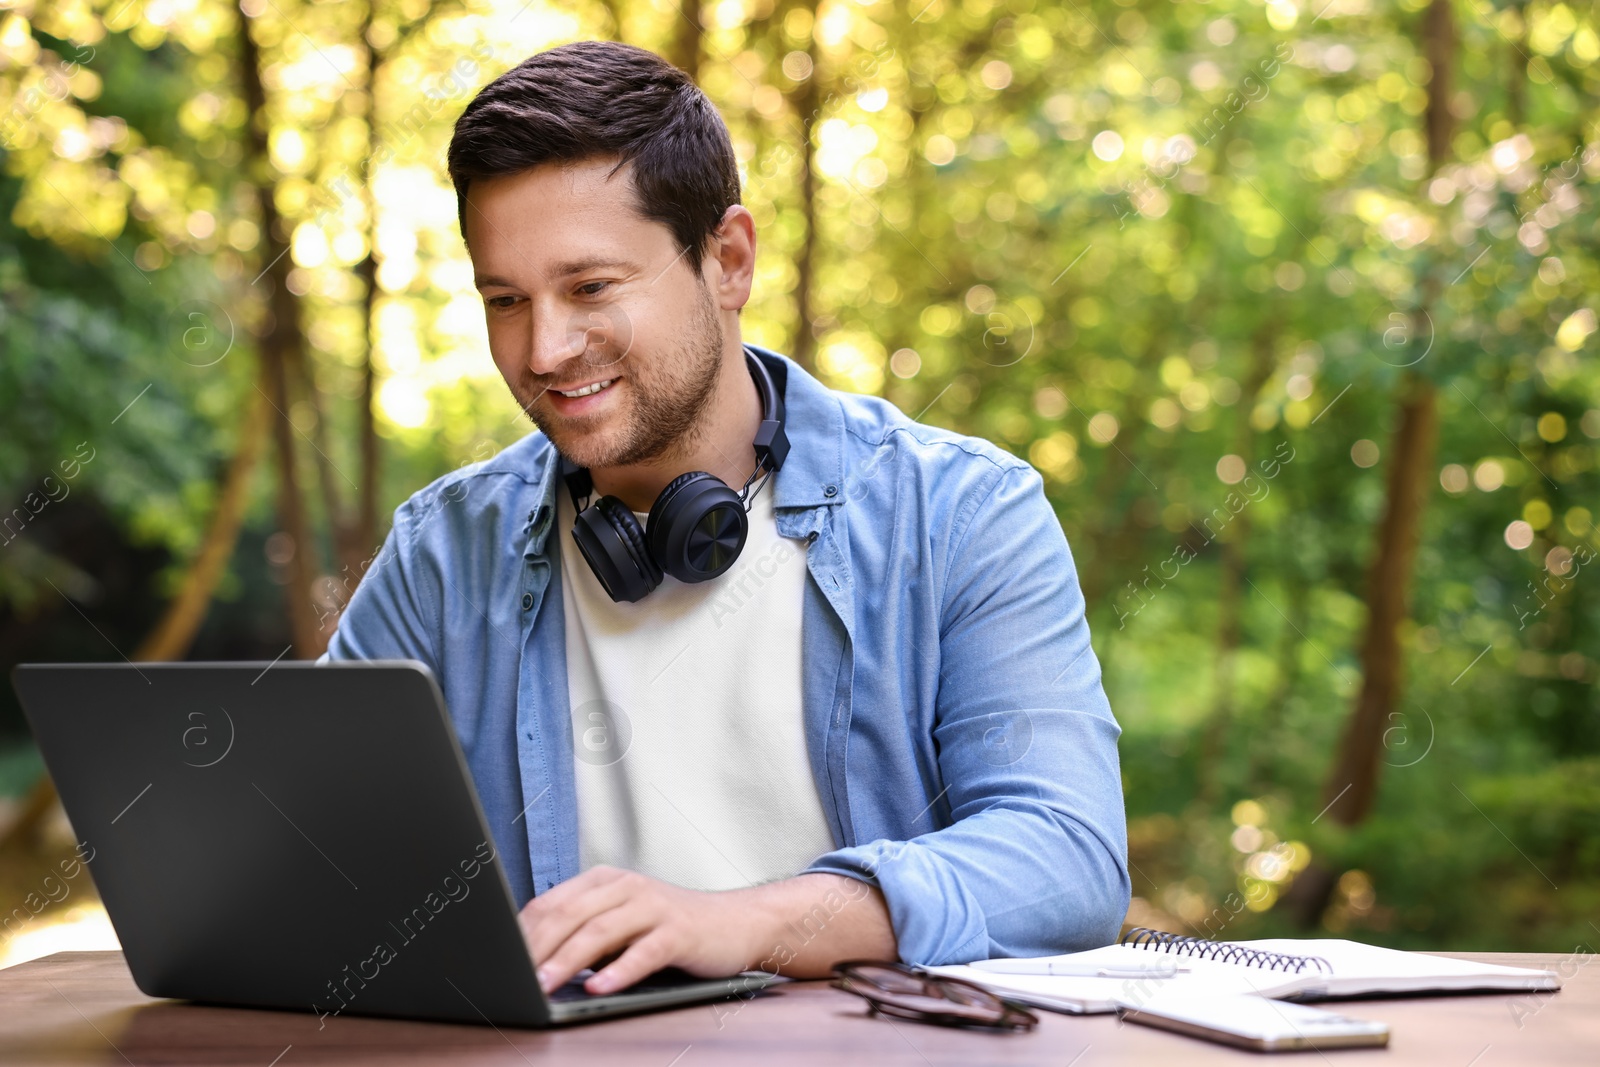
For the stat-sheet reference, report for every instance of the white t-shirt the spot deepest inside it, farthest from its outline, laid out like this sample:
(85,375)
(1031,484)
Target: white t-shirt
(689,748)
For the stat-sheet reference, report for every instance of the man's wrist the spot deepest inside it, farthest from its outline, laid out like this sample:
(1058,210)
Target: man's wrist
(799,924)
(762,914)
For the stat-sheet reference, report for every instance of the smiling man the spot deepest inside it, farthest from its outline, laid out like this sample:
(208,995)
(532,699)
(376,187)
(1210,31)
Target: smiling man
(855,715)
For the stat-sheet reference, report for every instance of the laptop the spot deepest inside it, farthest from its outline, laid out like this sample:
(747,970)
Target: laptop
(303,837)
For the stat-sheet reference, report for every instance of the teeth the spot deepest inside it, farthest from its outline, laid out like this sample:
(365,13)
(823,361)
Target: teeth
(595,388)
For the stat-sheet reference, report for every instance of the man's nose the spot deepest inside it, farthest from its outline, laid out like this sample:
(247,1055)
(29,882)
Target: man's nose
(553,342)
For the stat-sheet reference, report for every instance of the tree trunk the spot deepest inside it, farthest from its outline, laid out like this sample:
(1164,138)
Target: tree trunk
(1350,790)
(364,533)
(1517,69)
(685,50)
(807,98)
(1353,786)
(366,518)
(173,635)
(1439,48)
(281,347)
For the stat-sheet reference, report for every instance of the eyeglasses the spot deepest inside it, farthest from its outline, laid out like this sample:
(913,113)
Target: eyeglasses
(906,993)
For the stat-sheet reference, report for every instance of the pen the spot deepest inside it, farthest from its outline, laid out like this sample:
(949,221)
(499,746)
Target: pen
(1060,969)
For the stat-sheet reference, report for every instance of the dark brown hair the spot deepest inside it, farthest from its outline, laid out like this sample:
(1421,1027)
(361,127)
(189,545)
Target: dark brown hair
(601,98)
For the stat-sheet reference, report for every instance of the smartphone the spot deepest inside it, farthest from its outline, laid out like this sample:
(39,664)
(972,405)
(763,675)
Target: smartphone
(1256,1023)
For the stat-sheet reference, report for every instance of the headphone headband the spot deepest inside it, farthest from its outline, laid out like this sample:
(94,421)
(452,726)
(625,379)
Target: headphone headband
(771,443)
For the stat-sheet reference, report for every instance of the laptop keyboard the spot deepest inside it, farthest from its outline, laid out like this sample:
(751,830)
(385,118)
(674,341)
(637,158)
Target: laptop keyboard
(573,990)
(668,978)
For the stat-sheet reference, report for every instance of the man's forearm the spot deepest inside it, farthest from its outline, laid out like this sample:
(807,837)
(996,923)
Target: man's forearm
(806,924)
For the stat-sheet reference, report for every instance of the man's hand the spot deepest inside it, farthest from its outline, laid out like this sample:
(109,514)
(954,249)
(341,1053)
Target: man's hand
(800,926)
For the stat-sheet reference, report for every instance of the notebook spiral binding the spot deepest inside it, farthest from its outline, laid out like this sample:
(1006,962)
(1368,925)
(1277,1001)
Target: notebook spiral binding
(1222,951)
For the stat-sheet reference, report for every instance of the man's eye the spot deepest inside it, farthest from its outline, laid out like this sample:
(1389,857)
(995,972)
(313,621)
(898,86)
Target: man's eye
(501,303)
(593,288)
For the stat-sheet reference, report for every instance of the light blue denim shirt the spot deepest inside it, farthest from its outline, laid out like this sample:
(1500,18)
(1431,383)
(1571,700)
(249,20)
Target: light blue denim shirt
(960,739)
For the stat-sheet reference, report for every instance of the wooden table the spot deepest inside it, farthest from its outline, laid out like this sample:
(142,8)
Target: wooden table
(83,1008)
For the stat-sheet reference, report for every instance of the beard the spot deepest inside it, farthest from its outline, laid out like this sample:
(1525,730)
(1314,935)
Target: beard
(667,399)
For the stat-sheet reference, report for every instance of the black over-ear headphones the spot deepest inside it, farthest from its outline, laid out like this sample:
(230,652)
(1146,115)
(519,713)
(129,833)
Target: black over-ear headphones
(696,527)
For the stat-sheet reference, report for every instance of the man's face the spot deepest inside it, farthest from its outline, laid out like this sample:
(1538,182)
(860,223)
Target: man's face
(579,289)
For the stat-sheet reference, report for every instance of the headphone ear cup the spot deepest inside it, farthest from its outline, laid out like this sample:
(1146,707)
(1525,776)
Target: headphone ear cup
(697,527)
(610,539)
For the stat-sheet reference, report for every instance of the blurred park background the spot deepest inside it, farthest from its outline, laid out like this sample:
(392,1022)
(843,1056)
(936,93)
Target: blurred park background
(1292,303)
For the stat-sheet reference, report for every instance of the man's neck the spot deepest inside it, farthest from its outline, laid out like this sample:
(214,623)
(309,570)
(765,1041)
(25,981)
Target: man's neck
(723,446)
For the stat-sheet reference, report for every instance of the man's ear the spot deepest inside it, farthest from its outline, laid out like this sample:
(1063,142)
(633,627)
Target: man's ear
(732,250)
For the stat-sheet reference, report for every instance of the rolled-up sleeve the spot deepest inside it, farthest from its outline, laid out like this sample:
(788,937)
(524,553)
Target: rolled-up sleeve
(1034,861)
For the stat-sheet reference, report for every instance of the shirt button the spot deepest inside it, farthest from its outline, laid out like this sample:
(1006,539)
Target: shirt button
(811,537)
(830,490)
(527,601)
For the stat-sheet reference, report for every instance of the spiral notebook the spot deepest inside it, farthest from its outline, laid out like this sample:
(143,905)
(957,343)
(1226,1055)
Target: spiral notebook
(1283,969)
